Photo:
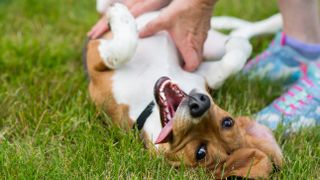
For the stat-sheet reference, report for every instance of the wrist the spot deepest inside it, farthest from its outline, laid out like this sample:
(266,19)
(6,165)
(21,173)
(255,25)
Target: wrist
(202,5)
(165,3)
(207,3)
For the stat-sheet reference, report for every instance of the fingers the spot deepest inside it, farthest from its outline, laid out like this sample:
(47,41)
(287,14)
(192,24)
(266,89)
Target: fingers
(153,27)
(92,30)
(130,3)
(137,7)
(140,8)
(89,34)
(190,47)
(99,32)
(98,29)
(146,6)
(192,59)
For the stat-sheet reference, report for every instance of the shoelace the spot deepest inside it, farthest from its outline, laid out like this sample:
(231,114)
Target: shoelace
(259,57)
(295,98)
(264,54)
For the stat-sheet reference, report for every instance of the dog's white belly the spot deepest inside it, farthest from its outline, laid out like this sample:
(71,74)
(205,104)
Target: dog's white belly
(133,83)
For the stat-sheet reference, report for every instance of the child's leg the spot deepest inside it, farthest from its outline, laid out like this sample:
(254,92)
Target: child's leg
(301,20)
(302,26)
(297,46)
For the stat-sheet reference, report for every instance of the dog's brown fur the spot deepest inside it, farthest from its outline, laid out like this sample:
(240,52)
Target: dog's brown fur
(101,85)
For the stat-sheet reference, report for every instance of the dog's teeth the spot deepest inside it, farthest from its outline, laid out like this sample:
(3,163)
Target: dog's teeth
(164,84)
(162,95)
(168,117)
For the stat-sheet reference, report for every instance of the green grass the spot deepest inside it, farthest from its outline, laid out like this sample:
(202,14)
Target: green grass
(50,129)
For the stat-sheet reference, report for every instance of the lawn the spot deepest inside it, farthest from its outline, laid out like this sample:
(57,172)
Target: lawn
(50,129)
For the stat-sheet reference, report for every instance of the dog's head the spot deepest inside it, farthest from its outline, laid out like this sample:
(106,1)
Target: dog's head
(199,133)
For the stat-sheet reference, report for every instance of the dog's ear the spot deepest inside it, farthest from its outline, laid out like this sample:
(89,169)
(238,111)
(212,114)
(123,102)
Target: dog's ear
(261,137)
(246,162)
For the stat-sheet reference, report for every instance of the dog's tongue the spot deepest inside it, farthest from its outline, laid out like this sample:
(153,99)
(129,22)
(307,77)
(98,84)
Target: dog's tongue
(165,133)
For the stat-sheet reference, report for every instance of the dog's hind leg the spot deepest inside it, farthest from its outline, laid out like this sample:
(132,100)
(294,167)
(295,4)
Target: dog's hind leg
(214,46)
(267,26)
(216,72)
(117,51)
(228,23)
(246,29)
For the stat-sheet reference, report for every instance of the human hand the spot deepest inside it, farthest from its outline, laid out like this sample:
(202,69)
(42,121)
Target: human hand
(99,28)
(188,25)
(136,7)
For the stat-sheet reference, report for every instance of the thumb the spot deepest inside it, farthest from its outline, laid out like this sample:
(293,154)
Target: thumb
(153,27)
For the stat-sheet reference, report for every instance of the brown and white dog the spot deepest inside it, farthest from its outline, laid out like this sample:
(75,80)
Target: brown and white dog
(128,76)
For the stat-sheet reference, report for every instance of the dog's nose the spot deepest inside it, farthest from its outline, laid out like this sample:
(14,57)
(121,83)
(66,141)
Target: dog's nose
(198,104)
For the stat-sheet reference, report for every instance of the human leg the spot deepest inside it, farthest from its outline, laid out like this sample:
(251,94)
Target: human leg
(296,46)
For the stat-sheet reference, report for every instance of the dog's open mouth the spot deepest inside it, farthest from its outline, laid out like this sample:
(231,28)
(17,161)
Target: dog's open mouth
(168,97)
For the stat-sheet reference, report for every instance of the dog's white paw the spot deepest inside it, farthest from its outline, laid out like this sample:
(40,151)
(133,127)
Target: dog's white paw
(238,43)
(238,51)
(122,46)
(119,16)
(245,32)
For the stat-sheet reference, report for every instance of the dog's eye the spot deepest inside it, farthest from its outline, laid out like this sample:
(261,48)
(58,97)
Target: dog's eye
(201,152)
(227,122)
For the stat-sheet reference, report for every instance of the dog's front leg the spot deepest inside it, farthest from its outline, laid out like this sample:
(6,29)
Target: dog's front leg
(246,29)
(103,5)
(117,51)
(216,72)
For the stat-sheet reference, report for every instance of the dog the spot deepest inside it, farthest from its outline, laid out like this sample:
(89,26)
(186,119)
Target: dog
(140,84)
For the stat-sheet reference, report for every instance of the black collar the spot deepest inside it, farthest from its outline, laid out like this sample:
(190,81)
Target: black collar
(144,116)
